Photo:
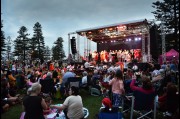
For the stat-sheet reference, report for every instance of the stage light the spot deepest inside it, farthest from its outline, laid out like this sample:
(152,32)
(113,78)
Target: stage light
(139,38)
(129,39)
(136,39)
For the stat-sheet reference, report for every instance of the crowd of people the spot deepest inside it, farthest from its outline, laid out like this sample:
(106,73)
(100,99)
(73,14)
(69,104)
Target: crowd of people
(113,80)
(115,55)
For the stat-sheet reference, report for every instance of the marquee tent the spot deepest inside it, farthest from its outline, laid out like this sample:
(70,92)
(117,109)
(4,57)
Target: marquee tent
(170,55)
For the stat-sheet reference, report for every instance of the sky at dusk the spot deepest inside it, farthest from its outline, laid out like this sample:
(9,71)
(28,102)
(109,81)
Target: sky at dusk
(60,17)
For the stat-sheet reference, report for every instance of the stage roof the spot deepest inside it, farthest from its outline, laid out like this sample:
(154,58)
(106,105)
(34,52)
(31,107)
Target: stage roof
(116,31)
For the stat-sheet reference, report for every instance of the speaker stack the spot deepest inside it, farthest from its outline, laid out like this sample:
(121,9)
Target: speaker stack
(73,45)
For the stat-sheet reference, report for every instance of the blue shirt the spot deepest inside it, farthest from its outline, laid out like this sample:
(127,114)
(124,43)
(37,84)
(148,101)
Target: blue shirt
(67,75)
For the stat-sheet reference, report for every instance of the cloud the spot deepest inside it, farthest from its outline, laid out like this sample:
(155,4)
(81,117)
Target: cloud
(60,17)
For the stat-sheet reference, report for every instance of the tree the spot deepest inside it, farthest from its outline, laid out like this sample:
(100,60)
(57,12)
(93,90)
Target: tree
(3,44)
(47,53)
(168,12)
(21,43)
(38,40)
(57,50)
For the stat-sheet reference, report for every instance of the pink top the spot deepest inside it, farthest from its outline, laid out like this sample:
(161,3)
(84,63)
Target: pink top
(117,86)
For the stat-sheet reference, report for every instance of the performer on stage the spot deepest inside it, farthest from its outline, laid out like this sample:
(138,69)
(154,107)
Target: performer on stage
(110,56)
(106,56)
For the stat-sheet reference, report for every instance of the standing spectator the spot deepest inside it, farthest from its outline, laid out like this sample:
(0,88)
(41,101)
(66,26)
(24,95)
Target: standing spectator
(65,77)
(14,68)
(55,75)
(72,106)
(86,65)
(173,66)
(163,66)
(117,88)
(20,80)
(125,66)
(34,104)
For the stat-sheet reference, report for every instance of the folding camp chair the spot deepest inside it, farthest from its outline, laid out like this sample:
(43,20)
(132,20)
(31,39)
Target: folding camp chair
(143,104)
(110,115)
(47,87)
(74,81)
(95,92)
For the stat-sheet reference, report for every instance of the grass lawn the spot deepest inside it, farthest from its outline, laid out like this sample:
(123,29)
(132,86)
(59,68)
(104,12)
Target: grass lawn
(92,103)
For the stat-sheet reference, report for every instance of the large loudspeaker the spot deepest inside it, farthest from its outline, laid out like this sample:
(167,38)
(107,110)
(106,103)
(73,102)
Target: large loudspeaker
(73,45)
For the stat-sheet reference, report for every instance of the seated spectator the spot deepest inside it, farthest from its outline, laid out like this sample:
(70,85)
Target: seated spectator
(95,77)
(96,80)
(169,100)
(4,105)
(72,106)
(5,95)
(11,79)
(48,101)
(33,104)
(107,105)
(146,85)
(84,79)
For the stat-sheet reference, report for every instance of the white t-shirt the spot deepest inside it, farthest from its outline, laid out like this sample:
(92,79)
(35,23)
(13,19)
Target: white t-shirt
(74,106)
(86,65)
(14,67)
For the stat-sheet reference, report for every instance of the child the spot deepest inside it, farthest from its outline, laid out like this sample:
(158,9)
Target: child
(48,101)
(107,106)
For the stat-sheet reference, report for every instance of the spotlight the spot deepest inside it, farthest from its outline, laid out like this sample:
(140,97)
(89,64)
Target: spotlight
(139,38)
(136,39)
(129,39)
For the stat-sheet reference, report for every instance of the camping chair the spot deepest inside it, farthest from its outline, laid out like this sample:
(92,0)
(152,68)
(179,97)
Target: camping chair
(47,87)
(110,115)
(73,81)
(143,104)
(95,92)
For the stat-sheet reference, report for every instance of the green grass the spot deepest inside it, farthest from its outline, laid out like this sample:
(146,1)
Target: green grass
(92,103)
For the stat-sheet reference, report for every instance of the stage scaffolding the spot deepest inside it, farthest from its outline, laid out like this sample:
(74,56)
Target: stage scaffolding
(113,32)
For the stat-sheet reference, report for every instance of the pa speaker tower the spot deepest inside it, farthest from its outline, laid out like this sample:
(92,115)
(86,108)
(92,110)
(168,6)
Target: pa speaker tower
(73,45)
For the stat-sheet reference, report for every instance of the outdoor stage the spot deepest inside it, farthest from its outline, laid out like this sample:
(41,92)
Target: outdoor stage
(132,35)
